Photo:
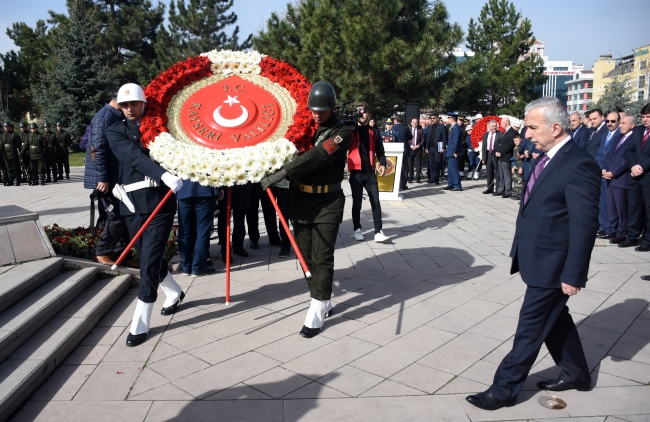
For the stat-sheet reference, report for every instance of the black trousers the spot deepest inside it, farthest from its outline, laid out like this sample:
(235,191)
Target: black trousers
(50,166)
(270,216)
(405,169)
(240,198)
(360,179)
(37,168)
(115,235)
(12,167)
(63,161)
(544,319)
(151,250)
(415,165)
(638,217)
(434,165)
(316,242)
(492,171)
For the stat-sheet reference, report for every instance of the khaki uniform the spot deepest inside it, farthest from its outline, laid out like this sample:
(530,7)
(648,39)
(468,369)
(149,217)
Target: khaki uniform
(517,179)
(34,150)
(64,141)
(49,155)
(10,151)
(316,216)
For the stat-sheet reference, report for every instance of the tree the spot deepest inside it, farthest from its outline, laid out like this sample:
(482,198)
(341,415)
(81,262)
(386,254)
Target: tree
(506,74)
(386,52)
(80,79)
(128,29)
(618,96)
(21,69)
(197,28)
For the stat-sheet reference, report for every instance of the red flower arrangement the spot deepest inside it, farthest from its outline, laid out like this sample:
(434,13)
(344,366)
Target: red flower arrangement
(480,128)
(161,90)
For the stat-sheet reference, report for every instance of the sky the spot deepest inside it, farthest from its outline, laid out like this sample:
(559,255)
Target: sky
(572,30)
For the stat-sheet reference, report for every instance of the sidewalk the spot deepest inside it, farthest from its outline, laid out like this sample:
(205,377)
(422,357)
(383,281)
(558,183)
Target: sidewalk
(418,324)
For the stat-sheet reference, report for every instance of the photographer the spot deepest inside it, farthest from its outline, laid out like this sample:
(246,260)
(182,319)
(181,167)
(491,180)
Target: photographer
(364,147)
(101,174)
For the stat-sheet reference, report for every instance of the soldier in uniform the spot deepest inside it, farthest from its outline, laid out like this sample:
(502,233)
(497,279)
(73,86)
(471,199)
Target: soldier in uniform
(49,156)
(64,140)
(316,200)
(32,152)
(142,184)
(11,151)
(23,140)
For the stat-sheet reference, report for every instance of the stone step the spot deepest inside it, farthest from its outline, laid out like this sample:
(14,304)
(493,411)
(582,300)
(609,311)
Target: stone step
(23,279)
(33,362)
(23,319)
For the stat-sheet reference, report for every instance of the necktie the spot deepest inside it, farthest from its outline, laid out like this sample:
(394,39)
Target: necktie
(609,136)
(491,142)
(645,138)
(593,133)
(533,177)
(620,142)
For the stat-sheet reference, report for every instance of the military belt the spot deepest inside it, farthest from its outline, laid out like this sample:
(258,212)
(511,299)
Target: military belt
(317,188)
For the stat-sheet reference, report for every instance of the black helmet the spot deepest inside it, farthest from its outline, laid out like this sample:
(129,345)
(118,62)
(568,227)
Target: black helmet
(23,124)
(7,124)
(59,124)
(33,126)
(321,97)
(46,124)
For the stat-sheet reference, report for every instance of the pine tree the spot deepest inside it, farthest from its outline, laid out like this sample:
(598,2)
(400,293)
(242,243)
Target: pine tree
(80,79)
(506,74)
(619,96)
(196,28)
(386,52)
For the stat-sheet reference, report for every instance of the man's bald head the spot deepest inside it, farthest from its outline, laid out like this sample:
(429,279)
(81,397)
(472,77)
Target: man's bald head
(505,123)
(575,120)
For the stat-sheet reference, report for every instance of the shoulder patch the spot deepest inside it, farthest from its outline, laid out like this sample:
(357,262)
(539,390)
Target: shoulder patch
(330,146)
(338,139)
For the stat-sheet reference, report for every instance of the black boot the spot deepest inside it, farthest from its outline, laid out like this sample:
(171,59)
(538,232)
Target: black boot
(67,176)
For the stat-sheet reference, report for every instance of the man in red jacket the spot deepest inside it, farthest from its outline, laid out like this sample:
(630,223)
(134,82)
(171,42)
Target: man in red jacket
(365,148)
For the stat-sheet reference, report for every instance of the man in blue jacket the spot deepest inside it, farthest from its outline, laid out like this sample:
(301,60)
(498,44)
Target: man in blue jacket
(403,135)
(454,150)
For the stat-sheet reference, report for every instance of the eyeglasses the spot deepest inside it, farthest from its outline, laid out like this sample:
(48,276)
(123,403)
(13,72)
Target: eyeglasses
(611,121)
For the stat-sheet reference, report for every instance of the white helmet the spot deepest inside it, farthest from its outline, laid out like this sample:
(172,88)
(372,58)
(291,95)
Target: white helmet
(130,92)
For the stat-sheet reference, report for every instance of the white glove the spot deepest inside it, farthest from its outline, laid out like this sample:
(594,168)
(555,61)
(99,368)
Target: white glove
(175,183)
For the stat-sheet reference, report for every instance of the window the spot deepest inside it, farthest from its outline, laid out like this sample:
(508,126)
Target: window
(557,69)
(643,64)
(590,84)
(639,95)
(589,95)
(641,81)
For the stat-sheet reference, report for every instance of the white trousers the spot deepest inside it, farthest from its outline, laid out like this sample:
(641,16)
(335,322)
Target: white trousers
(142,315)
(316,313)
(171,289)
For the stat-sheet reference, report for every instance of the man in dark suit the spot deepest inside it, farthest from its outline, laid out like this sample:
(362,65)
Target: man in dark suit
(579,132)
(505,148)
(555,230)
(637,157)
(142,182)
(606,145)
(617,175)
(598,131)
(454,150)
(490,140)
(417,146)
(404,135)
(435,146)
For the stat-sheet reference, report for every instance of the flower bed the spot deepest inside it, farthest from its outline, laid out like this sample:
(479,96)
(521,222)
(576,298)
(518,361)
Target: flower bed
(80,242)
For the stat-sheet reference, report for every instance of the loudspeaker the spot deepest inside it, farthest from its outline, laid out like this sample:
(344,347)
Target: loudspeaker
(412,112)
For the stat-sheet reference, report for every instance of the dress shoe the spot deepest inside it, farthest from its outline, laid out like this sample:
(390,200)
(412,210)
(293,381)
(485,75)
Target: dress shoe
(240,252)
(457,190)
(276,242)
(105,259)
(487,401)
(497,194)
(409,181)
(515,197)
(133,340)
(643,247)
(204,271)
(404,188)
(284,253)
(254,245)
(645,277)
(448,188)
(630,241)
(131,263)
(607,236)
(430,181)
(417,181)
(485,192)
(67,177)
(171,310)
(209,263)
(616,240)
(307,332)
(506,195)
(601,233)
(561,385)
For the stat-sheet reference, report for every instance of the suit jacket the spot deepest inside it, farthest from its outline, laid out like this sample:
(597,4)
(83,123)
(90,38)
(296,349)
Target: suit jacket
(581,136)
(604,148)
(404,135)
(506,145)
(556,227)
(426,132)
(419,140)
(593,142)
(615,163)
(635,154)
(124,140)
(484,147)
(455,143)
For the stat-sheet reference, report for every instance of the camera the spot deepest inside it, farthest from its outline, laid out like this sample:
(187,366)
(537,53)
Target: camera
(96,195)
(350,119)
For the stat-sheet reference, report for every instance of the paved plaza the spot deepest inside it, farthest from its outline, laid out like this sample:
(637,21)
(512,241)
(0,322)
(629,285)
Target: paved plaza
(418,324)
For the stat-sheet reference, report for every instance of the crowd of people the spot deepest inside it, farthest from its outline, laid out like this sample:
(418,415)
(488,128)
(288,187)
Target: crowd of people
(34,157)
